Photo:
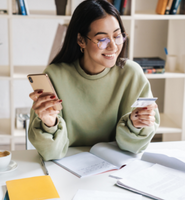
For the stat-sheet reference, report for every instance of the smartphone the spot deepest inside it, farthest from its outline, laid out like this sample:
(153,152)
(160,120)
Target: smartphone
(42,81)
(144,101)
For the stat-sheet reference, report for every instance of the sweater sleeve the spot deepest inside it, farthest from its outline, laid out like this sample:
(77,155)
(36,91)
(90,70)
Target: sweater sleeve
(51,143)
(133,139)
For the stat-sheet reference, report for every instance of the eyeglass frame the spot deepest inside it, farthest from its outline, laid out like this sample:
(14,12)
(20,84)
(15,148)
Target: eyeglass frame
(109,39)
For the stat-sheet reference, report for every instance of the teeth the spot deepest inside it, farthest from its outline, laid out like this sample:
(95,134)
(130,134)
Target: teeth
(110,55)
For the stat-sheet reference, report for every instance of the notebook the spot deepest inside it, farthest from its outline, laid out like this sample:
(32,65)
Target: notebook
(33,188)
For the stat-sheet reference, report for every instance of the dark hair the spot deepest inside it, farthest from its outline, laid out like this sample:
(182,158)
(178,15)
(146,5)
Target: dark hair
(85,13)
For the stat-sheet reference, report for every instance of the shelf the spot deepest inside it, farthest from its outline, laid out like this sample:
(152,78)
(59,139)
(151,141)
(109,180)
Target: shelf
(36,16)
(165,75)
(167,125)
(151,15)
(21,72)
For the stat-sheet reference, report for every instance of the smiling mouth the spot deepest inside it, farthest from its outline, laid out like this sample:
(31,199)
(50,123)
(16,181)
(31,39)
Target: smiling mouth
(109,55)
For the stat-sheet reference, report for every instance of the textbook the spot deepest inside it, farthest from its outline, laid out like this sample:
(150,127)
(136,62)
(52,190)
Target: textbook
(38,187)
(102,157)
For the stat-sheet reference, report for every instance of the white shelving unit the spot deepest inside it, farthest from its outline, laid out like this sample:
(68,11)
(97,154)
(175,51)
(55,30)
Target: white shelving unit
(149,33)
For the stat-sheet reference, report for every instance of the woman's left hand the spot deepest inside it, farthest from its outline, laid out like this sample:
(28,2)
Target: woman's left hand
(143,117)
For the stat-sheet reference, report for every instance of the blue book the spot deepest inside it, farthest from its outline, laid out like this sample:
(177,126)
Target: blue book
(117,4)
(6,196)
(22,7)
(174,7)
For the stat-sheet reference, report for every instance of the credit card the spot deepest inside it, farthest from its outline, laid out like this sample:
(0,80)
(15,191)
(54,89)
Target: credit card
(144,101)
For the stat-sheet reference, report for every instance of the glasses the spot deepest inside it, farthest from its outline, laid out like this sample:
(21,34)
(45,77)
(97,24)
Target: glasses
(104,42)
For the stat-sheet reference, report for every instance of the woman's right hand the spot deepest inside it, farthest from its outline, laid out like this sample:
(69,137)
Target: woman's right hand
(44,106)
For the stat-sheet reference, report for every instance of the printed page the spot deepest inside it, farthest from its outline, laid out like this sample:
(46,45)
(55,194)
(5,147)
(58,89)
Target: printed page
(133,167)
(159,181)
(101,195)
(85,164)
(172,158)
(113,154)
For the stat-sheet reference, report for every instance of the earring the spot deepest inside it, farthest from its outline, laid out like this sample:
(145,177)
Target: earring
(81,49)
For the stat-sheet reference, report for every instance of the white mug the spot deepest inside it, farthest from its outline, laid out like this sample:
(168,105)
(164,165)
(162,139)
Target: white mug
(5,158)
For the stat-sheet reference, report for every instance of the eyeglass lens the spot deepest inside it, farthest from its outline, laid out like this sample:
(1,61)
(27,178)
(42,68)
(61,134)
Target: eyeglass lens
(102,44)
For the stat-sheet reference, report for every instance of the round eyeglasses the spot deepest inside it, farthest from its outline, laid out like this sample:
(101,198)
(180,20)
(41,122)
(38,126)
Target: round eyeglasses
(104,42)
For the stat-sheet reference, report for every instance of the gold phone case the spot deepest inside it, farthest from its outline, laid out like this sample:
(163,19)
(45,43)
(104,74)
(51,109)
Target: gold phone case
(42,81)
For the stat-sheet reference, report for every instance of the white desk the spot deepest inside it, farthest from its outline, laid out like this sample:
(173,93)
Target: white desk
(66,183)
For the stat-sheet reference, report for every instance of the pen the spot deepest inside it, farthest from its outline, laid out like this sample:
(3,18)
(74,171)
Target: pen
(43,165)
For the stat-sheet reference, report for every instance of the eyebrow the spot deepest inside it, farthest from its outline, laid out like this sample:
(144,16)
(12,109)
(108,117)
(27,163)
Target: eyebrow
(99,33)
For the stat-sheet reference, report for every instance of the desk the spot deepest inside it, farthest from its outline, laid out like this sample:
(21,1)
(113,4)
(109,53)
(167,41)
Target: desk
(66,183)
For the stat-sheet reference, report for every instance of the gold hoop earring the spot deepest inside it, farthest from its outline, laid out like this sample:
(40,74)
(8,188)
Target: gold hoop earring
(81,49)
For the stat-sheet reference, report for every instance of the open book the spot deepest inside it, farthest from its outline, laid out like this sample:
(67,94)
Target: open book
(101,158)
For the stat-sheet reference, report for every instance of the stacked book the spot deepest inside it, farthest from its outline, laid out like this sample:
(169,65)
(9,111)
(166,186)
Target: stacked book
(166,7)
(151,65)
(20,7)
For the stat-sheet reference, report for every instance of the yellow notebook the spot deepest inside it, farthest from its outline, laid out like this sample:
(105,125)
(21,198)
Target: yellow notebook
(34,188)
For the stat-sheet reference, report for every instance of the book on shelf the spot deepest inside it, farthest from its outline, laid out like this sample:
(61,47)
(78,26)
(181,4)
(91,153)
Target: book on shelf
(123,6)
(161,7)
(174,6)
(117,4)
(38,187)
(15,9)
(61,7)
(151,65)
(168,7)
(102,157)
(21,7)
(58,41)
(182,7)
(26,7)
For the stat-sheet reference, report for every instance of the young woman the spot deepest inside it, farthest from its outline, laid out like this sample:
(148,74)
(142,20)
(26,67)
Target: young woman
(97,88)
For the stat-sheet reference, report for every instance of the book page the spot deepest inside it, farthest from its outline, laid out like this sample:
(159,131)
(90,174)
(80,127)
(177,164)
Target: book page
(113,154)
(85,164)
(159,181)
(103,195)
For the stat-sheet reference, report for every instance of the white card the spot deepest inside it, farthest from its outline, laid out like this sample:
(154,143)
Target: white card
(144,101)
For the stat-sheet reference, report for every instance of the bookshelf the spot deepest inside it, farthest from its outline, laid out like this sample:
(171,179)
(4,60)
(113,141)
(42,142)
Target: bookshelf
(26,51)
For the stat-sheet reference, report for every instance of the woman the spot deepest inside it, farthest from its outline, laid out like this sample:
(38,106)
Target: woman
(96,87)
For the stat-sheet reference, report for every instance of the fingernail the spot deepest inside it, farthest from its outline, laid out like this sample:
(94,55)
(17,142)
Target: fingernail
(60,101)
(145,108)
(52,97)
(40,91)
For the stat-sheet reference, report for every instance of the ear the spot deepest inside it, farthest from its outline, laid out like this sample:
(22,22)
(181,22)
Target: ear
(81,41)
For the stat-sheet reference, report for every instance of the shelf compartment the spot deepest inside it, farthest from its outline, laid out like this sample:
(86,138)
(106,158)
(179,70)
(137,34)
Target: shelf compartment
(151,15)
(167,125)
(21,72)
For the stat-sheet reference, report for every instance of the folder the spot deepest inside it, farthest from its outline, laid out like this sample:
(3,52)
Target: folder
(39,187)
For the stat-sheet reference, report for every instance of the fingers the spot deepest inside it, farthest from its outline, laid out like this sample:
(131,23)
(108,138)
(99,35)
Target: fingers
(34,95)
(144,117)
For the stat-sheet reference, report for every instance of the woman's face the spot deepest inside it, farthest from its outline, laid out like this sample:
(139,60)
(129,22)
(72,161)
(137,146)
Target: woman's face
(95,59)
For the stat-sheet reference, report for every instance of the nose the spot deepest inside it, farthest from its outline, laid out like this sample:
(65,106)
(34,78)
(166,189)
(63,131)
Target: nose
(112,45)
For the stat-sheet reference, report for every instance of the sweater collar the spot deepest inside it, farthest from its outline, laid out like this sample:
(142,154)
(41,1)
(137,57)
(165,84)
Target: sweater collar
(87,76)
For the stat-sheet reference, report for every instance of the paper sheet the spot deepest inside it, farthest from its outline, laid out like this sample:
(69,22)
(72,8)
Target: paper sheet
(160,181)
(102,195)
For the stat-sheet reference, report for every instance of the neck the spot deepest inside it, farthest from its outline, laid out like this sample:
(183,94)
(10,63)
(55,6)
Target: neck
(90,69)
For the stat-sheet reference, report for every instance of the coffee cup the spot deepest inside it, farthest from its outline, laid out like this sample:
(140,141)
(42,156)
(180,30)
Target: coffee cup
(5,158)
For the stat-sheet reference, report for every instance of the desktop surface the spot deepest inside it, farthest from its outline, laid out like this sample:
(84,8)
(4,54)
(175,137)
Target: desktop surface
(65,182)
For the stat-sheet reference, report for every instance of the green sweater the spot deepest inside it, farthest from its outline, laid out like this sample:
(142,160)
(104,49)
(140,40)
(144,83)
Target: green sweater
(96,108)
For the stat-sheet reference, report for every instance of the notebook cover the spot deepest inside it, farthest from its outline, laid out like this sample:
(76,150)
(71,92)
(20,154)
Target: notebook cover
(34,188)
